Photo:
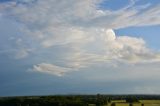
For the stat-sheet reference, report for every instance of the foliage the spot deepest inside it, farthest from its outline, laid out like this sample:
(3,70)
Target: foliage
(76,100)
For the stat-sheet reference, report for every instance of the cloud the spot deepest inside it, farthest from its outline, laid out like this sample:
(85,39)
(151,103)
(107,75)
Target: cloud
(39,13)
(83,31)
(108,48)
(21,54)
(50,69)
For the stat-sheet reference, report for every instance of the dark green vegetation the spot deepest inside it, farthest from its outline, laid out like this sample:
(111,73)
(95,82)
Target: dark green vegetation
(82,100)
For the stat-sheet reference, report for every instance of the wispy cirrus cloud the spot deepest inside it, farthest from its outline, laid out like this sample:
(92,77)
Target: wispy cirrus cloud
(83,29)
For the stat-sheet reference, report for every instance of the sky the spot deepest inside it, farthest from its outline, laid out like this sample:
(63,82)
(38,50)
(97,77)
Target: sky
(52,47)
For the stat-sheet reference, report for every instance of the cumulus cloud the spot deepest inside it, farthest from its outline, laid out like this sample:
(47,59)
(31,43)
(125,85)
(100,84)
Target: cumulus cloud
(84,32)
(107,48)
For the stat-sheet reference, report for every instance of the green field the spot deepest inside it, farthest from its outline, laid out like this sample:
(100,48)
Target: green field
(122,104)
(118,101)
(141,103)
(152,105)
(137,104)
(91,105)
(150,101)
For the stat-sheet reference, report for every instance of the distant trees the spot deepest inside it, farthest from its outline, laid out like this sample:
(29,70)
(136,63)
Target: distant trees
(132,99)
(98,100)
(102,100)
(71,100)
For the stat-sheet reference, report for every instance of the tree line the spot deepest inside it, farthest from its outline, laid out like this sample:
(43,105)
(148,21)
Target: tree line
(72,100)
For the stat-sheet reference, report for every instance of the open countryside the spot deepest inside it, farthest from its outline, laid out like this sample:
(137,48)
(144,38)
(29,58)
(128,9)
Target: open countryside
(82,100)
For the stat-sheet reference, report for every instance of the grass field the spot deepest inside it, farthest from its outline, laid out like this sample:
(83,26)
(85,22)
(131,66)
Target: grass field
(145,102)
(151,104)
(91,104)
(118,101)
(136,104)
(122,104)
(118,104)
(150,101)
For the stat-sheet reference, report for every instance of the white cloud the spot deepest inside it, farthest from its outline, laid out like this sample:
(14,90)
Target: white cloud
(108,48)
(21,54)
(83,29)
(50,69)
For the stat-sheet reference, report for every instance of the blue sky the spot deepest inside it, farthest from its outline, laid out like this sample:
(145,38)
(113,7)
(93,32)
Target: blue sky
(50,47)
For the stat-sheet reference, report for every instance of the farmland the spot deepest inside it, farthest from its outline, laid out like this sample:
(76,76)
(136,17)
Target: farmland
(140,103)
(82,100)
